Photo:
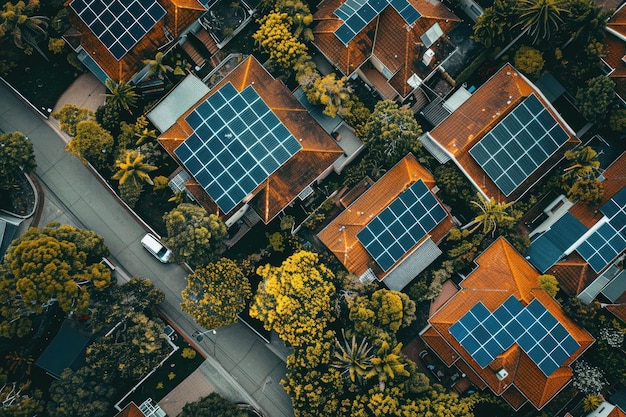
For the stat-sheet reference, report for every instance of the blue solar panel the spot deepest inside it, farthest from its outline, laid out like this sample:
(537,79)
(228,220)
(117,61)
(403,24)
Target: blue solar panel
(229,157)
(519,144)
(357,14)
(403,223)
(537,332)
(118,24)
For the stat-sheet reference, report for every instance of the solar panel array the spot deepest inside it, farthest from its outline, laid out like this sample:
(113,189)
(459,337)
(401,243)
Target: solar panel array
(486,335)
(403,223)
(519,144)
(356,14)
(609,240)
(236,144)
(118,24)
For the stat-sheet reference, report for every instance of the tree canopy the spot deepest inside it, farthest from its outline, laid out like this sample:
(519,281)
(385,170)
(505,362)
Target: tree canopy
(16,152)
(194,235)
(80,394)
(275,37)
(54,263)
(216,293)
(91,143)
(70,115)
(211,406)
(595,98)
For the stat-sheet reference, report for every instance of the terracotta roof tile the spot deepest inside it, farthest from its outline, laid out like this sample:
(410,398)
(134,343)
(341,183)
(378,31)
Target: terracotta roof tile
(619,308)
(487,106)
(340,235)
(503,272)
(573,273)
(617,412)
(319,150)
(515,398)
(131,410)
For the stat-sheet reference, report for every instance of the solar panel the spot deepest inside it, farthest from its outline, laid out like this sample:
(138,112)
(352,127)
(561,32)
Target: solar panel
(118,24)
(356,14)
(230,157)
(533,328)
(403,223)
(609,240)
(519,144)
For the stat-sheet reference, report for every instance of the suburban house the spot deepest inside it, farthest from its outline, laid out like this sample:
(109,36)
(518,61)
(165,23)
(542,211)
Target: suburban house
(615,51)
(113,37)
(504,138)
(247,145)
(505,333)
(583,245)
(390,229)
(393,45)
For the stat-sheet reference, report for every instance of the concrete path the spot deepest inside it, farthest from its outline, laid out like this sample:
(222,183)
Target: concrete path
(247,366)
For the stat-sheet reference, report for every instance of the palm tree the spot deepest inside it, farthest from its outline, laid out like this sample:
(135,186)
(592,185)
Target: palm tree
(157,67)
(353,359)
(133,168)
(584,161)
(540,18)
(387,364)
(26,30)
(592,401)
(122,95)
(491,215)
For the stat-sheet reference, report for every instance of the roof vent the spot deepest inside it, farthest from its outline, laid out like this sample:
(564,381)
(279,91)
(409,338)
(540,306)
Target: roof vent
(428,57)
(501,374)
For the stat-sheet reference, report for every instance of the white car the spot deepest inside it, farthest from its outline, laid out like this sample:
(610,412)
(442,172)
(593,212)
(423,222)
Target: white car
(155,247)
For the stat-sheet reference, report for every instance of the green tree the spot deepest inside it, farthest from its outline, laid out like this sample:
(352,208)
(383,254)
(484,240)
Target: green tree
(331,92)
(353,359)
(70,115)
(583,163)
(193,235)
(595,99)
(121,95)
(216,293)
(92,143)
(211,406)
(19,399)
(590,190)
(156,66)
(492,28)
(56,262)
(16,154)
(530,61)
(617,121)
(540,18)
(80,394)
(387,364)
(382,313)
(549,284)
(295,300)
(276,39)
(584,21)
(25,29)
(133,169)
(490,216)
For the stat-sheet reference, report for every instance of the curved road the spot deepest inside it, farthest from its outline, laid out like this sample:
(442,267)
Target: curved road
(244,369)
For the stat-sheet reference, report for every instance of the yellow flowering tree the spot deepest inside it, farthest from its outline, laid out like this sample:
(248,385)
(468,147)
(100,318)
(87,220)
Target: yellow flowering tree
(276,39)
(216,293)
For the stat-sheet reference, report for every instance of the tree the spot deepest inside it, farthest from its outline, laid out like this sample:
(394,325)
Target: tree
(584,21)
(295,300)
(133,169)
(530,61)
(492,28)
(595,99)
(591,402)
(210,406)
(122,95)
(70,115)
(275,38)
(391,132)
(80,394)
(549,284)
(540,18)
(216,293)
(490,216)
(19,399)
(353,359)
(331,92)
(156,65)
(301,17)
(16,154)
(387,364)
(26,30)
(92,143)
(587,379)
(382,314)
(315,392)
(193,235)
(617,121)
(53,263)
(583,161)
(590,190)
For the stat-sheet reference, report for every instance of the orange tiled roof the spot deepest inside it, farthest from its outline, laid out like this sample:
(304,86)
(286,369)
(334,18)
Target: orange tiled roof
(617,412)
(387,37)
(615,49)
(340,235)
(619,308)
(180,15)
(574,274)
(131,410)
(503,272)
(319,151)
(487,106)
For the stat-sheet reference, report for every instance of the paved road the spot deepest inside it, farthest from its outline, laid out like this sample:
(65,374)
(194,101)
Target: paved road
(245,367)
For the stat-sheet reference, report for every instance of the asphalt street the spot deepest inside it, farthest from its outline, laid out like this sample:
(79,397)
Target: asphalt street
(246,370)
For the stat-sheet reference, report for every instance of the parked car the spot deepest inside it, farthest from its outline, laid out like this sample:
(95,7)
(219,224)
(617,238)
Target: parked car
(156,248)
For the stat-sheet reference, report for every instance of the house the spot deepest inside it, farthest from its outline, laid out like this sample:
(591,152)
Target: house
(615,51)
(392,45)
(66,350)
(505,333)
(606,409)
(390,232)
(246,143)
(113,37)
(583,245)
(504,138)
(131,410)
